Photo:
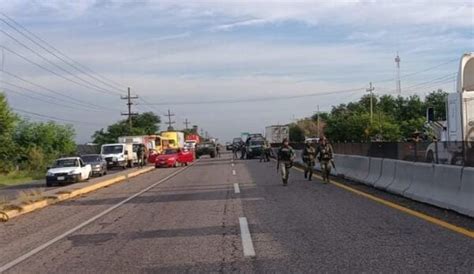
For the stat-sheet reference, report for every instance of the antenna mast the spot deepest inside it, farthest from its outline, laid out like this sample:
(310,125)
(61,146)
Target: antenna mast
(398,83)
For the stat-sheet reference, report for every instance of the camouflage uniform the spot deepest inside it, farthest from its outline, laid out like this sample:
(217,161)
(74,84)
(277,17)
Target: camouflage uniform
(324,154)
(286,156)
(265,156)
(309,158)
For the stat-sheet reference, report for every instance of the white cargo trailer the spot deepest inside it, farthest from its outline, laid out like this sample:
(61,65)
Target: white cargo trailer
(276,134)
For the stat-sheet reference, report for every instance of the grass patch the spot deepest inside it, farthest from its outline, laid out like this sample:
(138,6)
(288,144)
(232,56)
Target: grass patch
(19,177)
(30,196)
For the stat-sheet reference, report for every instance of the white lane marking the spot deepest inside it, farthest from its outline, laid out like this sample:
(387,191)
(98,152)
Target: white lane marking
(65,234)
(236,188)
(247,243)
(233,172)
(233,164)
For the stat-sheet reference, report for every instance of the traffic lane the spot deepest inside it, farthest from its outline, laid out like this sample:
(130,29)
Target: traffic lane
(31,230)
(12,192)
(309,226)
(188,223)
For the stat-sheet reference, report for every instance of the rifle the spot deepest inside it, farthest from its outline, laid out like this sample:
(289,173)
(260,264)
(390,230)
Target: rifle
(334,165)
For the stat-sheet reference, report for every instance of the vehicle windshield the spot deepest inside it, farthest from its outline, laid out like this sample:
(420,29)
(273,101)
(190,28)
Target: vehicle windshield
(112,149)
(91,158)
(170,151)
(66,163)
(256,143)
(237,140)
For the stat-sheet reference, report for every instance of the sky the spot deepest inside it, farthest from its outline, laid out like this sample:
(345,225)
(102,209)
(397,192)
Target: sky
(226,66)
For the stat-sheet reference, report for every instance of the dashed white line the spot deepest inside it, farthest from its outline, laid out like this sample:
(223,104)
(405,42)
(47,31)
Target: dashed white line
(233,172)
(247,243)
(233,164)
(236,188)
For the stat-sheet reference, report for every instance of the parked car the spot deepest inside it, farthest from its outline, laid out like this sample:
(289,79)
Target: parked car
(97,162)
(68,170)
(207,148)
(173,157)
(228,146)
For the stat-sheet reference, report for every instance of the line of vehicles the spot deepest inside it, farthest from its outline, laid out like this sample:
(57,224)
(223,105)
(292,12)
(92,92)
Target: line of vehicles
(168,149)
(252,145)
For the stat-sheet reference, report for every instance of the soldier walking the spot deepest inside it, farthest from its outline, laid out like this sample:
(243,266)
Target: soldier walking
(325,154)
(286,156)
(309,158)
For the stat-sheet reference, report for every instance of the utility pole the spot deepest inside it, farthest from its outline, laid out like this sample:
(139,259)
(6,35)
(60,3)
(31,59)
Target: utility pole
(130,113)
(186,123)
(170,123)
(371,90)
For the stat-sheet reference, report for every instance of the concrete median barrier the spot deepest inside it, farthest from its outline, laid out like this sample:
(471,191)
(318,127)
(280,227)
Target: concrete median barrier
(403,177)
(422,183)
(387,175)
(465,198)
(375,171)
(446,186)
(358,168)
(17,207)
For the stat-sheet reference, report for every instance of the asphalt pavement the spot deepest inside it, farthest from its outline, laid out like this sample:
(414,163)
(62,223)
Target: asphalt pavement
(223,216)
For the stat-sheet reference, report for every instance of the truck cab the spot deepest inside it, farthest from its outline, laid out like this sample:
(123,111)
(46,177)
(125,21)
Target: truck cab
(457,133)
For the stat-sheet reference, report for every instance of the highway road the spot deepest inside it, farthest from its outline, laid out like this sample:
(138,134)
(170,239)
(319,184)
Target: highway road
(224,216)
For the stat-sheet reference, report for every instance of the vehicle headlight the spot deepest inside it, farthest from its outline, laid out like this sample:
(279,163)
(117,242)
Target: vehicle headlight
(97,166)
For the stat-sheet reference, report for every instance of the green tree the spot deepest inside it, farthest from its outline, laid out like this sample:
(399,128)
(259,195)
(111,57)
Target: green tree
(8,121)
(437,100)
(143,124)
(296,133)
(40,143)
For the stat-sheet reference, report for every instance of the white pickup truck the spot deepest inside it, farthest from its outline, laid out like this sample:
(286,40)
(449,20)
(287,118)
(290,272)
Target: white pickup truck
(68,170)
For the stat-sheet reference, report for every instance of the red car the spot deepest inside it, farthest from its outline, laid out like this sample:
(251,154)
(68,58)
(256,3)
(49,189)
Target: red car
(172,157)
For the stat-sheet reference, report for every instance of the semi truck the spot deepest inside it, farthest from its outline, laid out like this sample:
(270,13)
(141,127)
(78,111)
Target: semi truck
(457,132)
(276,133)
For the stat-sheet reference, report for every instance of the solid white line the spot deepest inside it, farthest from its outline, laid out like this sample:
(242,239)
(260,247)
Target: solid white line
(236,188)
(65,234)
(233,172)
(247,243)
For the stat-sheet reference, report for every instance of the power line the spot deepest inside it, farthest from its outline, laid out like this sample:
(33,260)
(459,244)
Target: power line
(53,118)
(418,72)
(43,100)
(73,99)
(52,53)
(49,70)
(72,63)
(89,84)
(260,99)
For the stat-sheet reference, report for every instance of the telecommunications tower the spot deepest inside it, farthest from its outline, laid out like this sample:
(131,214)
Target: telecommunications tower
(397,78)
